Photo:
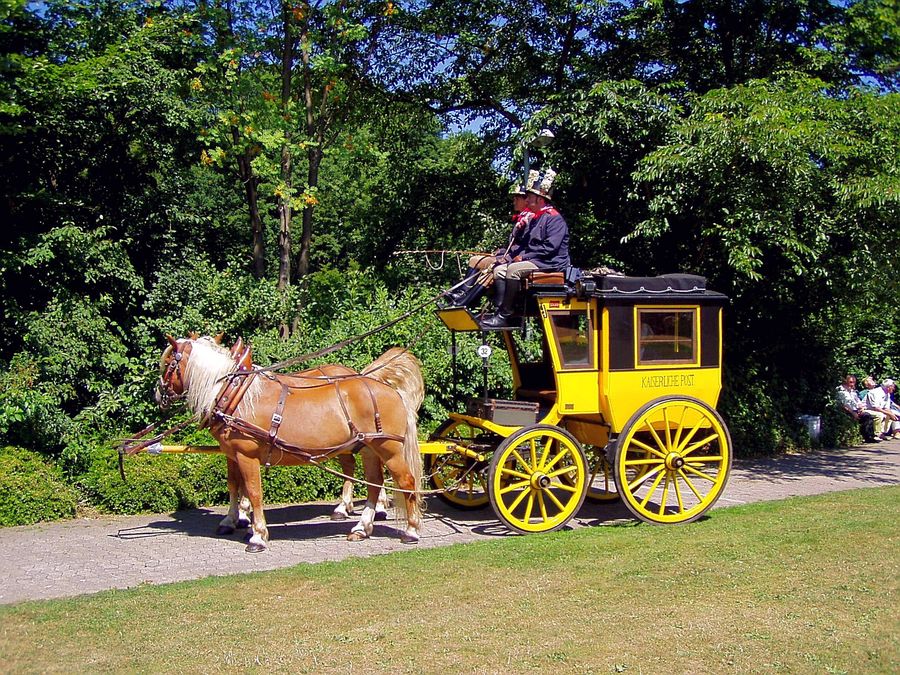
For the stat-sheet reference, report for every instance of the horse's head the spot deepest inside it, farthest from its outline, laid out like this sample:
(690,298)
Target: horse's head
(171,386)
(195,363)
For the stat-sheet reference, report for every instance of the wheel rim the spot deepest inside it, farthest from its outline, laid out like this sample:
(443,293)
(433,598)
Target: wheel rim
(538,479)
(673,460)
(462,479)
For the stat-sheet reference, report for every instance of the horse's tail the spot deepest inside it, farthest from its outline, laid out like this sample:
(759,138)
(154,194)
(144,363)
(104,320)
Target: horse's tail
(400,369)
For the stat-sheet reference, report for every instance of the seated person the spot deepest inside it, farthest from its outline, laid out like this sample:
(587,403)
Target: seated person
(545,247)
(878,400)
(478,274)
(849,400)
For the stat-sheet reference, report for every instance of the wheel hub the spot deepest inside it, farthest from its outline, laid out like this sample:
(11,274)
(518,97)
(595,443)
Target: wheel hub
(540,481)
(674,461)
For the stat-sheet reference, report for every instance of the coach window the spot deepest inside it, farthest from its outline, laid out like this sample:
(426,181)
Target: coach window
(572,332)
(667,336)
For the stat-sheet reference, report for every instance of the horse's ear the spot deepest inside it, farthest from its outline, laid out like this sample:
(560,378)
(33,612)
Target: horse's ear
(172,341)
(218,338)
(193,335)
(237,347)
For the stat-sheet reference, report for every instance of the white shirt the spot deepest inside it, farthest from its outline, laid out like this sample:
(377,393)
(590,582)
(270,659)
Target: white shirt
(878,399)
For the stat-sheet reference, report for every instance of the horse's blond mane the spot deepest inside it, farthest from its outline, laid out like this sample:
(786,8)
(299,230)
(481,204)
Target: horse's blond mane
(207,365)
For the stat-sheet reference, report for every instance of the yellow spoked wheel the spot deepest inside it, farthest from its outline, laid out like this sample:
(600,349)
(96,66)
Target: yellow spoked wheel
(672,460)
(538,479)
(462,479)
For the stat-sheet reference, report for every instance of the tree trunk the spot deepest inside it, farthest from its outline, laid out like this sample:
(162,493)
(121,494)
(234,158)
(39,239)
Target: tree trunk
(315,159)
(250,181)
(284,200)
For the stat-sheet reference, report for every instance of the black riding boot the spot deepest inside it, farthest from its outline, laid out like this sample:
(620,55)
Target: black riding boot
(472,295)
(506,295)
(456,297)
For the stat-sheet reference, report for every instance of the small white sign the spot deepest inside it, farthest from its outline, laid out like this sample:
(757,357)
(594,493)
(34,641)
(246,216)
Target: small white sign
(484,351)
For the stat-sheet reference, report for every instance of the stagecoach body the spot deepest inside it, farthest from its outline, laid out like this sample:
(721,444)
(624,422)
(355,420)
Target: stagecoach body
(615,384)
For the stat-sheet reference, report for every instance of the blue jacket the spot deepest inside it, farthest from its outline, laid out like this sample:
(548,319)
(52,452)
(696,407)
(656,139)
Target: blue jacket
(547,241)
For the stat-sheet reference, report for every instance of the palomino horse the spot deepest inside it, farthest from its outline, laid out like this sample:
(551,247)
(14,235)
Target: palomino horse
(285,420)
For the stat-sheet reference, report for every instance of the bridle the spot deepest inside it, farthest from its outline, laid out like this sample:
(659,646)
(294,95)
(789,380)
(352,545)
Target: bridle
(165,388)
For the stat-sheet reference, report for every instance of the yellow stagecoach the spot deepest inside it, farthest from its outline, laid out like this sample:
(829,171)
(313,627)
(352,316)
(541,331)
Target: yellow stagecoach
(615,384)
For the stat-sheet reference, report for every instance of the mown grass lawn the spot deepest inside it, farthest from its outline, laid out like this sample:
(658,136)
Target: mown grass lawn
(803,585)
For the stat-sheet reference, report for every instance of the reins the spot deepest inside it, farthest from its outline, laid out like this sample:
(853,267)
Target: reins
(343,343)
(362,481)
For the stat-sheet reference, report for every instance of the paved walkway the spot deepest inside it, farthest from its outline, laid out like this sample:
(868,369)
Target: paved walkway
(88,555)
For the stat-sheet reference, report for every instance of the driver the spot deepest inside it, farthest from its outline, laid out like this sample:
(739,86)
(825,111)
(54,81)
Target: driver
(475,283)
(545,248)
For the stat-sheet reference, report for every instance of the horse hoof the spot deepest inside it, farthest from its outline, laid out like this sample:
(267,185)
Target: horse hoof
(243,524)
(357,536)
(408,539)
(337,515)
(381,515)
(255,548)
(224,530)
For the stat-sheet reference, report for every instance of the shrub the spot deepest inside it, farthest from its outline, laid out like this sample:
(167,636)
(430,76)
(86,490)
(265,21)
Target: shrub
(31,490)
(839,430)
(158,484)
(153,485)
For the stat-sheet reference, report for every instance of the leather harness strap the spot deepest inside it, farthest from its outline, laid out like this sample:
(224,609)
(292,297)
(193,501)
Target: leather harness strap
(277,417)
(354,431)
(309,454)
(238,383)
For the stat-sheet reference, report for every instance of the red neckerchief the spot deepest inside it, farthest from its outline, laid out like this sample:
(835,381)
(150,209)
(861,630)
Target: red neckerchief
(549,210)
(522,218)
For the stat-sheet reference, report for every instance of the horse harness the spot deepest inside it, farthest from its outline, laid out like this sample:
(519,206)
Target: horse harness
(236,386)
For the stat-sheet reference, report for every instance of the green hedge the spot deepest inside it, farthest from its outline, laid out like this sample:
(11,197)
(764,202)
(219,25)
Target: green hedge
(32,490)
(159,484)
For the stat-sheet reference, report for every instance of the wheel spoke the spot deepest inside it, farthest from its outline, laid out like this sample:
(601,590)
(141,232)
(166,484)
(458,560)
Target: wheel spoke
(644,446)
(704,460)
(567,488)
(678,493)
(653,488)
(680,428)
(544,452)
(644,477)
(527,465)
(699,444)
(687,439)
(640,462)
(542,505)
(561,471)
(512,487)
(662,447)
(688,467)
(518,500)
(515,474)
(529,505)
(668,424)
(690,484)
(553,498)
(665,495)
(562,453)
